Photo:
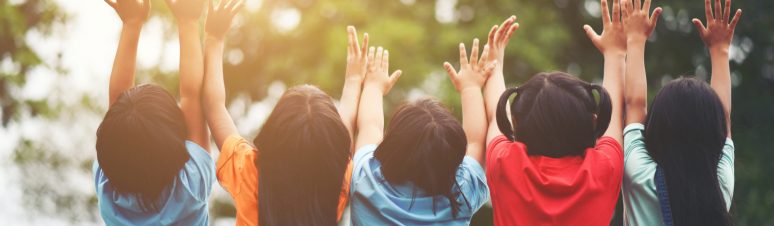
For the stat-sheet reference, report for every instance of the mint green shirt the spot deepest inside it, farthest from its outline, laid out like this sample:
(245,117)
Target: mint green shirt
(640,202)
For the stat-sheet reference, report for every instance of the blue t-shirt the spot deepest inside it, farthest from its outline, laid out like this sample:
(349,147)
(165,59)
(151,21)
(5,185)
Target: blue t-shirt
(374,201)
(184,201)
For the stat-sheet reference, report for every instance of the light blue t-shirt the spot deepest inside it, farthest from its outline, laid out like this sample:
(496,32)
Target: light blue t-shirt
(184,201)
(641,205)
(376,202)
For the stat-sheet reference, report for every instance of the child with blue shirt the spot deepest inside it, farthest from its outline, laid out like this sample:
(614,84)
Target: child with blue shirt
(152,165)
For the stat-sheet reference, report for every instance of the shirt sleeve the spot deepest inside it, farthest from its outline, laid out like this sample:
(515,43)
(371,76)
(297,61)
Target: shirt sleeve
(638,165)
(492,148)
(726,171)
(236,169)
(200,170)
(472,181)
(362,155)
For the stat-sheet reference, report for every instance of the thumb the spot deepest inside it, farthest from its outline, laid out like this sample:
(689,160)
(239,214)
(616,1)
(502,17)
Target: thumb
(699,26)
(489,69)
(111,3)
(654,16)
(450,71)
(590,32)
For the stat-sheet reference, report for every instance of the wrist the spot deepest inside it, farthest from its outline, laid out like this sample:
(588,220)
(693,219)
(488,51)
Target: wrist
(214,38)
(187,22)
(636,40)
(374,88)
(614,54)
(718,52)
(353,79)
(133,25)
(470,89)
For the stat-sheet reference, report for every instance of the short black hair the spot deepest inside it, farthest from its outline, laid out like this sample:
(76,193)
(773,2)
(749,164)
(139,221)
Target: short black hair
(141,143)
(425,145)
(553,114)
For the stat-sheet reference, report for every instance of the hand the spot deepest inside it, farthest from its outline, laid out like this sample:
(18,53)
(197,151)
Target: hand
(635,17)
(186,10)
(378,65)
(499,37)
(357,60)
(474,72)
(133,12)
(613,39)
(718,33)
(219,17)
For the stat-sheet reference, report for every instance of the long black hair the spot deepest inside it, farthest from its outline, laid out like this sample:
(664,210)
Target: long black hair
(424,144)
(684,134)
(553,114)
(141,143)
(304,150)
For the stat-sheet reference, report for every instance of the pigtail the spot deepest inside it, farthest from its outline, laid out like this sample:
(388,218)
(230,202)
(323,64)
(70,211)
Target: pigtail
(501,114)
(603,109)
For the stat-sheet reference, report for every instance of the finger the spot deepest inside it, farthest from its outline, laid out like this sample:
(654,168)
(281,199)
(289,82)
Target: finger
(229,4)
(637,5)
(699,26)
(379,55)
(646,6)
(365,44)
(616,11)
(386,60)
(484,56)
(655,15)
(736,19)
(492,33)
(371,54)
(590,33)
(394,77)
(510,32)
(727,12)
(351,40)
(504,28)
(708,10)
(111,3)
(238,6)
(222,4)
(718,9)
(474,53)
(450,71)
(625,8)
(606,11)
(489,69)
(463,56)
(212,5)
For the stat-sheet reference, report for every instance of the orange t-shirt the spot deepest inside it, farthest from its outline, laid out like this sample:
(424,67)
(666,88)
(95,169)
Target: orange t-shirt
(237,173)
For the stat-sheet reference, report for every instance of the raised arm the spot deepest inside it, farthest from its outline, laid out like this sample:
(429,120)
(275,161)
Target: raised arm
(468,82)
(495,85)
(133,15)
(639,25)
(717,36)
(187,13)
(612,44)
(218,23)
(353,81)
(370,117)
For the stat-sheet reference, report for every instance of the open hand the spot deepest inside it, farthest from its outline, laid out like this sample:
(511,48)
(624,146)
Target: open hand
(474,71)
(638,24)
(131,11)
(220,15)
(186,10)
(719,32)
(613,39)
(357,61)
(499,37)
(378,66)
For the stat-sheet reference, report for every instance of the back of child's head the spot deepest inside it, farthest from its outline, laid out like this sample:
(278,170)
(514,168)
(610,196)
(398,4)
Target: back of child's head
(141,143)
(424,145)
(304,150)
(555,114)
(685,133)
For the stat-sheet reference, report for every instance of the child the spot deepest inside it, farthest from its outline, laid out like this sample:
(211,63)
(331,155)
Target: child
(152,166)
(297,172)
(679,157)
(559,162)
(419,174)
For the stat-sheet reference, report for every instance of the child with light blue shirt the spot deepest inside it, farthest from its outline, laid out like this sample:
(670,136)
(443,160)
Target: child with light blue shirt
(427,169)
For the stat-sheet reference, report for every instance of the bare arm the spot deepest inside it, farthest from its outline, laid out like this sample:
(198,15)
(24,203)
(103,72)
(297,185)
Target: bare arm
(187,14)
(639,27)
(495,85)
(468,81)
(218,23)
(370,118)
(353,82)
(133,15)
(717,36)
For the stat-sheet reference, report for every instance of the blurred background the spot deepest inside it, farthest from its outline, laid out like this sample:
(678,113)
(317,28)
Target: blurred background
(56,55)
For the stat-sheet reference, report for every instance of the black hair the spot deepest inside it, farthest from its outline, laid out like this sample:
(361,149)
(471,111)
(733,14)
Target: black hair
(141,143)
(304,151)
(424,144)
(684,134)
(553,114)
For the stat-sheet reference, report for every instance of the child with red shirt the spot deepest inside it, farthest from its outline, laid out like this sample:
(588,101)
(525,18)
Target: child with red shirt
(559,161)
